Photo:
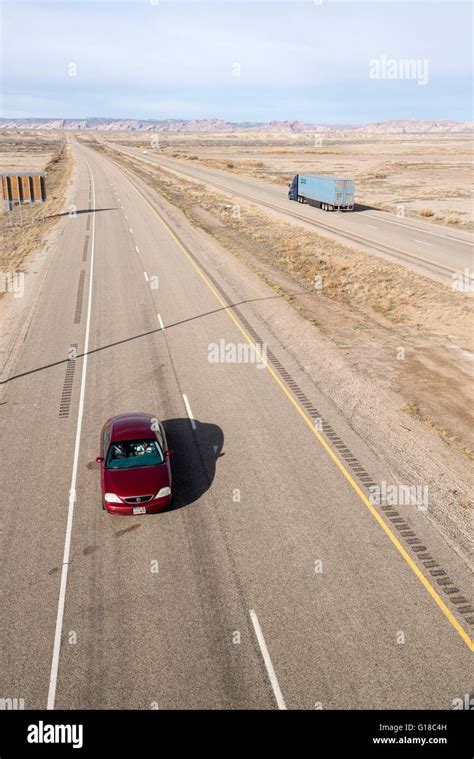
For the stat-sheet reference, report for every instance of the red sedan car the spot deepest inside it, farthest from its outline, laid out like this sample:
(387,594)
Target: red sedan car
(135,471)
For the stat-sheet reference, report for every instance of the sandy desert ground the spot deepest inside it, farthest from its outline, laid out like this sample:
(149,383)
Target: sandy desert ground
(27,151)
(32,152)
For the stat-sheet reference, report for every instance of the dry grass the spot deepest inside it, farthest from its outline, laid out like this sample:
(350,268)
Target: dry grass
(18,242)
(413,410)
(27,151)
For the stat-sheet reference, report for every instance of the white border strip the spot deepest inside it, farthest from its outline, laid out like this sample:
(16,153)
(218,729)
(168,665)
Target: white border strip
(190,413)
(72,492)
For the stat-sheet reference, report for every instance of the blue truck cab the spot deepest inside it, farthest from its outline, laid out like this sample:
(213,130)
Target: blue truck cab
(323,191)
(293,191)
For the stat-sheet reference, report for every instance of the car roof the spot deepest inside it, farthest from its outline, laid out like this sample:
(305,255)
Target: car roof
(131,426)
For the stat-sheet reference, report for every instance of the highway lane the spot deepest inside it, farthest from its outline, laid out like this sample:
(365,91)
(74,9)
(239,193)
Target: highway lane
(133,637)
(145,637)
(425,247)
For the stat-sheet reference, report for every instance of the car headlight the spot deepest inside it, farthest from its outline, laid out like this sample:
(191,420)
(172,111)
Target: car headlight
(112,498)
(163,492)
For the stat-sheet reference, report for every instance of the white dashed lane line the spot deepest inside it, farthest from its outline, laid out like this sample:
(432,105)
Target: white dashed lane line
(161,321)
(428,244)
(189,412)
(426,231)
(268,662)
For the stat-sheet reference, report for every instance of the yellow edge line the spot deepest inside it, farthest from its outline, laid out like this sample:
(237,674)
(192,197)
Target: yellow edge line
(438,600)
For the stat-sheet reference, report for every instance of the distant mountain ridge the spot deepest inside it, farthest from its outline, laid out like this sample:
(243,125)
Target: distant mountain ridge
(221,126)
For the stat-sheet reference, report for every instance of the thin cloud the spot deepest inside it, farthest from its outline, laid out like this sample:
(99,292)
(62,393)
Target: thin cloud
(232,60)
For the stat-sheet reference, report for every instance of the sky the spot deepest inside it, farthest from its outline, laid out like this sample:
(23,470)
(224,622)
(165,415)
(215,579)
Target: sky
(319,61)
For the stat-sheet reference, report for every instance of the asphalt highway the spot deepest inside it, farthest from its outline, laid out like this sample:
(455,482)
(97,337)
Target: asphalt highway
(271,583)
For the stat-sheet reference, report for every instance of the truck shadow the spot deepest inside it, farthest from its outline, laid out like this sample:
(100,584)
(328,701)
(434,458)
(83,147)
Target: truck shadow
(358,207)
(193,463)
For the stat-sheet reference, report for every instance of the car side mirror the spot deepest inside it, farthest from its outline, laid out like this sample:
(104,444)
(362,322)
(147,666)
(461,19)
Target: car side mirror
(99,459)
(169,453)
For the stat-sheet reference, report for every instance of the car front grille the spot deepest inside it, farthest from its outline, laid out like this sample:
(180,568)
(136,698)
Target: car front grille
(138,499)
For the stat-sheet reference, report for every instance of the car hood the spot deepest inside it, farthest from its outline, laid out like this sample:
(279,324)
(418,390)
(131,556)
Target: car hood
(145,480)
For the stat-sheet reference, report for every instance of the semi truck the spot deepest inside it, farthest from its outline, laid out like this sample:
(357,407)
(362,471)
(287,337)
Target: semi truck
(323,191)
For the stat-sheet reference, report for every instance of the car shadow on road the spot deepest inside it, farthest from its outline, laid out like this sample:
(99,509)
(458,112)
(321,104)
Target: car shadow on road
(195,454)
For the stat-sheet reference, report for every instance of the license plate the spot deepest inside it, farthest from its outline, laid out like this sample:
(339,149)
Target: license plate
(139,509)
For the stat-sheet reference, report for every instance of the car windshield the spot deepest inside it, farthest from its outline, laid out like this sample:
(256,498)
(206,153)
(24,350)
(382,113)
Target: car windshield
(130,454)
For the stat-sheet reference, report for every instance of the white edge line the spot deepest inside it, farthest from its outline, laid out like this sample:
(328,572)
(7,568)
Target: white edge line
(190,413)
(146,275)
(161,321)
(72,491)
(268,662)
